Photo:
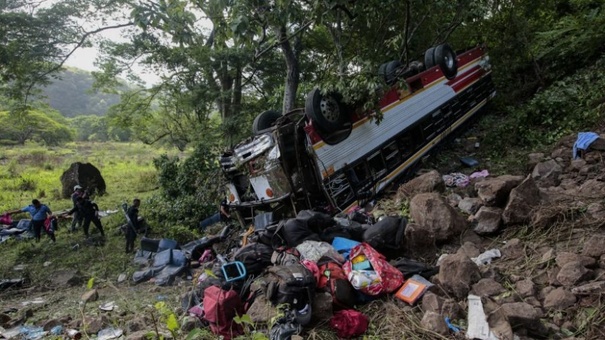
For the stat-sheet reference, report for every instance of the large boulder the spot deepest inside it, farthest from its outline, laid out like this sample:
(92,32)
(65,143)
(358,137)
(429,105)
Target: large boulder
(494,191)
(85,175)
(428,182)
(523,199)
(431,212)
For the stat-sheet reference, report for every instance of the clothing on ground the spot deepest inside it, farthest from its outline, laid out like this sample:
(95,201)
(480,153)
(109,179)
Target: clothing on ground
(583,142)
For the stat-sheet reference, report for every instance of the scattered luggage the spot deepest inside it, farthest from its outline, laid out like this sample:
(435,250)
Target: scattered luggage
(387,234)
(220,307)
(349,323)
(255,257)
(293,285)
(374,277)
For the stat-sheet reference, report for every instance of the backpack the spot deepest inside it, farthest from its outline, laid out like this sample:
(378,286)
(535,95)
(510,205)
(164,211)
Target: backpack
(333,280)
(255,257)
(386,234)
(220,307)
(285,256)
(293,285)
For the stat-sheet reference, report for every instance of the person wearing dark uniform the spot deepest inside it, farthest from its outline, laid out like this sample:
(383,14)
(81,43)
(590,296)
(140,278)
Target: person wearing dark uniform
(133,224)
(76,217)
(89,212)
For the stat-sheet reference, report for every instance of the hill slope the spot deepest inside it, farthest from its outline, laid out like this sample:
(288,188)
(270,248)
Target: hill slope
(71,94)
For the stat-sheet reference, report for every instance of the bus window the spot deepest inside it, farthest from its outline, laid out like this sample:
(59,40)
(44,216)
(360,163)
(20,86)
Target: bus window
(377,166)
(392,156)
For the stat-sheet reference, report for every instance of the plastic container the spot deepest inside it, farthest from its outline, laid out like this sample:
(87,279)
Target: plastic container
(344,246)
(234,271)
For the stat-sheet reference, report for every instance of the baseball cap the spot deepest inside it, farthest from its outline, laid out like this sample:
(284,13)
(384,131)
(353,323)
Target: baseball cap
(77,187)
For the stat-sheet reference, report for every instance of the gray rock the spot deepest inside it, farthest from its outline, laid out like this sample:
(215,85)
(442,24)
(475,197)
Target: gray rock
(548,255)
(457,273)
(572,273)
(533,159)
(469,249)
(577,164)
(513,249)
(595,246)
(428,182)
(121,278)
(470,205)
(495,191)
(547,173)
(434,322)
(418,239)
(90,296)
(430,211)
(525,288)
(591,288)
(566,257)
(66,278)
(453,199)
(595,211)
(487,287)
(559,299)
(521,203)
(432,302)
(522,314)
(545,291)
(489,220)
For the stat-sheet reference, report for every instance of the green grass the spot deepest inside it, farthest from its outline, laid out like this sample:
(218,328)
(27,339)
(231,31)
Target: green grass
(33,171)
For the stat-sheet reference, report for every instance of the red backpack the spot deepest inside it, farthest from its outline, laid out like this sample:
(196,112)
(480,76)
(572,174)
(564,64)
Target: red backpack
(332,279)
(220,307)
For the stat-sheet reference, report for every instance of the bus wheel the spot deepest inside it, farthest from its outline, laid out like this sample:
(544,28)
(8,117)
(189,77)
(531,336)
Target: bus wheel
(325,111)
(391,71)
(264,120)
(445,57)
(429,58)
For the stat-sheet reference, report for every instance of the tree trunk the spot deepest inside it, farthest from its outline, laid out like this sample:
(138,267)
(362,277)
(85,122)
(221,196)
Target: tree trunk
(292,69)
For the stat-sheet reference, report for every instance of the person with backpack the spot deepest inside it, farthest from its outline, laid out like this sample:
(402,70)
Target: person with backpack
(76,217)
(133,224)
(89,211)
(39,212)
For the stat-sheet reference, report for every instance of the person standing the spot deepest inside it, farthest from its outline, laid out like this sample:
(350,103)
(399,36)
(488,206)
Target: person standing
(89,212)
(133,224)
(39,212)
(76,217)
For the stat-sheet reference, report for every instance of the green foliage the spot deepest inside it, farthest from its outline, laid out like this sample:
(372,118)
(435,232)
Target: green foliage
(189,188)
(570,105)
(47,127)
(91,283)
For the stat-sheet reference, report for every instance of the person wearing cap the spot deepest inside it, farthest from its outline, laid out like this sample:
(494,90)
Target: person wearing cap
(76,217)
(89,212)
(39,212)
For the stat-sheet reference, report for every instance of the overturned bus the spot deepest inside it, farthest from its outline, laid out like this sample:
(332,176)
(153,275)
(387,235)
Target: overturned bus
(331,157)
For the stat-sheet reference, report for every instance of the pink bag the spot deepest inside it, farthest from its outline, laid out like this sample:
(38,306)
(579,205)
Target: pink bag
(6,219)
(389,277)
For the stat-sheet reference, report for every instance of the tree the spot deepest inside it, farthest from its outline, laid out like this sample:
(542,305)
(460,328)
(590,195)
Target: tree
(47,127)
(37,37)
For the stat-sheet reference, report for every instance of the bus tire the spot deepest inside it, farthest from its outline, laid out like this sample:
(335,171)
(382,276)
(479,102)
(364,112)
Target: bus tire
(391,71)
(429,58)
(445,57)
(326,111)
(264,120)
